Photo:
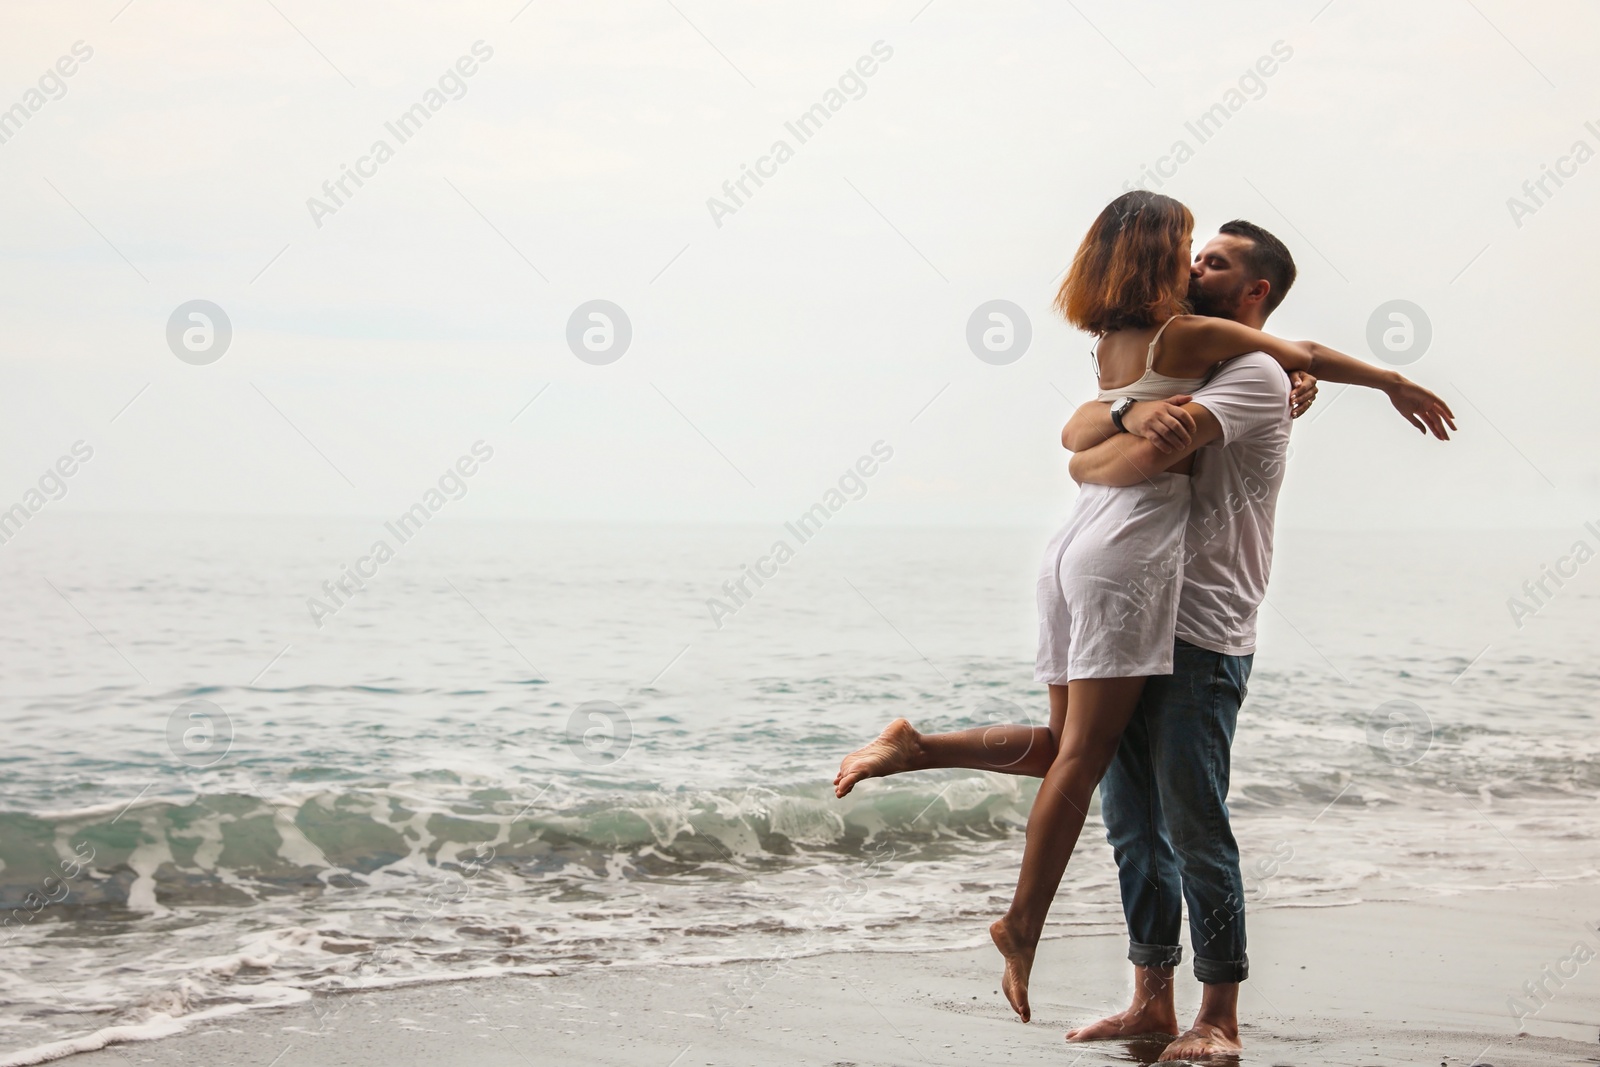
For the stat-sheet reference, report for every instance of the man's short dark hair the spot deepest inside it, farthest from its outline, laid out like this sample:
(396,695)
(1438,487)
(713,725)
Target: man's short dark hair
(1267,258)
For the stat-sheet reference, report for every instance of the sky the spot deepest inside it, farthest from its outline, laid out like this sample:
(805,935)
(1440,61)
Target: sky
(585,152)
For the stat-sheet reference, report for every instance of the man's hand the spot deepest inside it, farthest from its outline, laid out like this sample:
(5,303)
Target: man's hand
(1422,409)
(1302,394)
(1163,423)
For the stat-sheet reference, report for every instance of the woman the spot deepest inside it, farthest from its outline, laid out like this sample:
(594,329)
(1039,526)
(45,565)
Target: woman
(1108,589)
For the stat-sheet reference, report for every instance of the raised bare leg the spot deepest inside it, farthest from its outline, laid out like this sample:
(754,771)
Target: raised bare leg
(1010,749)
(1216,1027)
(1152,1010)
(1094,712)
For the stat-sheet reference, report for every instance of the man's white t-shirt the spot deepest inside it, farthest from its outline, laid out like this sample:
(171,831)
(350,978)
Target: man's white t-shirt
(1233,498)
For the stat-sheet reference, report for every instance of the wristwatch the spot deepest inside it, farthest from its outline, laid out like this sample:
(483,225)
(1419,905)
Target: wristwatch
(1118,410)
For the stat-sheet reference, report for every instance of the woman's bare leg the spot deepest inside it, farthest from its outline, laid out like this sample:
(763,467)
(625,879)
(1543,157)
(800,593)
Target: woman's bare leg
(1095,712)
(1015,748)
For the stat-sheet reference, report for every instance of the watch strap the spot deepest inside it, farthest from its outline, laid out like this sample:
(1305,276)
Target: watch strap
(1119,409)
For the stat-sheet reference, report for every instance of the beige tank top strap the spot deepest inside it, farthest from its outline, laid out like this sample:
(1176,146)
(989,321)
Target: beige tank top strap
(1150,355)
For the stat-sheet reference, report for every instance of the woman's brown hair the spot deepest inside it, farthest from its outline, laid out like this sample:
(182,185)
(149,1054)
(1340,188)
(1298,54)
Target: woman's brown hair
(1126,272)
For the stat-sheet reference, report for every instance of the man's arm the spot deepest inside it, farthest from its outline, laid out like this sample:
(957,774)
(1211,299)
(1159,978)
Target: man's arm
(1129,460)
(1164,423)
(1089,425)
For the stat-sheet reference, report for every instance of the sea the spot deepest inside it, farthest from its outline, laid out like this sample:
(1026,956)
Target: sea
(522,748)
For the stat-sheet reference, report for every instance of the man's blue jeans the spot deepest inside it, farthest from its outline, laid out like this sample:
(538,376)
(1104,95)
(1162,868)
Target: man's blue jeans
(1164,800)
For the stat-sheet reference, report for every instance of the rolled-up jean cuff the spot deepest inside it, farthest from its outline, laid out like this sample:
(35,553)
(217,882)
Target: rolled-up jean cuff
(1221,972)
(1154,955)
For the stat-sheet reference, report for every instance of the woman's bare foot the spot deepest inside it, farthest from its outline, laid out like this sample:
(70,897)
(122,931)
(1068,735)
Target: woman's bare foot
(1019,964)
(1141,1020)
(894,751)
(1203,1040)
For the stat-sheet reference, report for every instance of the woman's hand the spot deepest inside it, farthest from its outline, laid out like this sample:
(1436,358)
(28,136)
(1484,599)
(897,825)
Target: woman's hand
(1303,392)
(1163,423)
(1421,408)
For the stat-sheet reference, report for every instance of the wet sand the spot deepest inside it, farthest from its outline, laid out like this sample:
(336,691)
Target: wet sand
(1424,982)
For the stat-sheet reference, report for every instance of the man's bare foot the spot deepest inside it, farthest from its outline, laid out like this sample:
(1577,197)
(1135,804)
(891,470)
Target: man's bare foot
(1150,1013)
(1201,1041)
(1019,964)
(1141,1020)
(893,752)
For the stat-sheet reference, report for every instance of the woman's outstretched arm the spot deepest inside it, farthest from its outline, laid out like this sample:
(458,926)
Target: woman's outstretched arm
(1204,342)
(1418,406)
(1200,342)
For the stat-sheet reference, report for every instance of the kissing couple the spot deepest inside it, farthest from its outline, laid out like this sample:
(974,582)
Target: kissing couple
(1147,601)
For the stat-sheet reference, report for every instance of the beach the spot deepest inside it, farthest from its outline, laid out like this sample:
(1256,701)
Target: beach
(1363,984)
(399,819)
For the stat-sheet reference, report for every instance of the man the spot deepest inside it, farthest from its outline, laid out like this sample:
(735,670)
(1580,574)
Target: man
(1164,798)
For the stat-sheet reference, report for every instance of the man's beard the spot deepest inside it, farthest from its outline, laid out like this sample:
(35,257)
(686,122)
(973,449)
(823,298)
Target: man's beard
(1215,305)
